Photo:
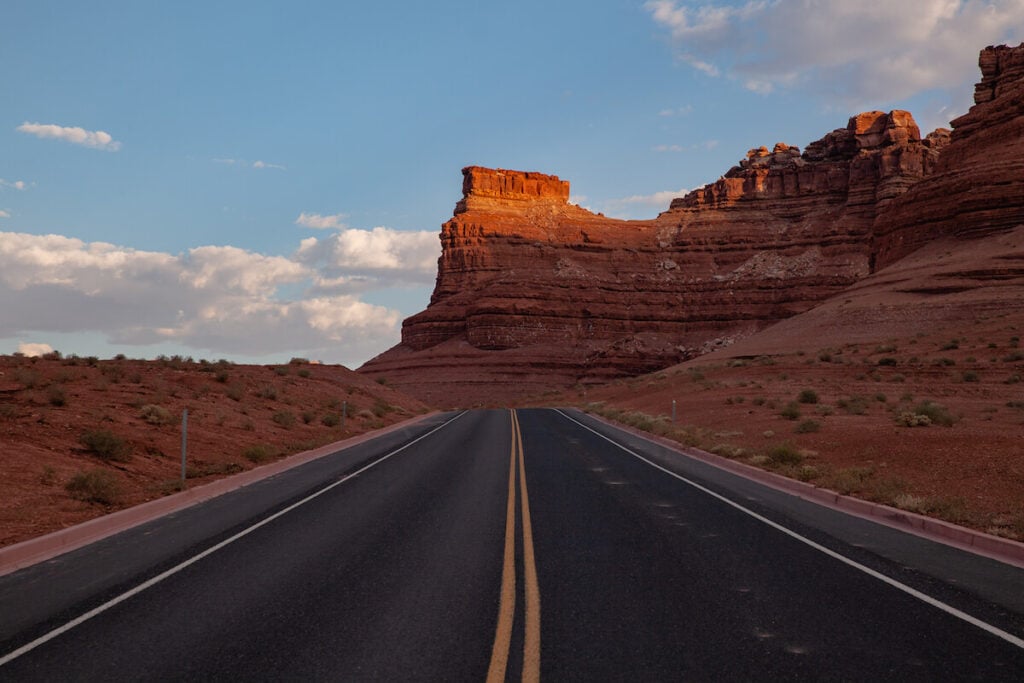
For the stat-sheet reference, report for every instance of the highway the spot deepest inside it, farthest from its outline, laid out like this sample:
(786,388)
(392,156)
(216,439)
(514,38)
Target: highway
(534,544)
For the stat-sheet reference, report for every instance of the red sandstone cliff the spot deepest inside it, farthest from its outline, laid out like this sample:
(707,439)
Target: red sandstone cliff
(535,294)
(978,185)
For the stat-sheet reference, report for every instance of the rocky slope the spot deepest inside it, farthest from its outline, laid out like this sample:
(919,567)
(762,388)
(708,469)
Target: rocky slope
(978,185)
(534,294)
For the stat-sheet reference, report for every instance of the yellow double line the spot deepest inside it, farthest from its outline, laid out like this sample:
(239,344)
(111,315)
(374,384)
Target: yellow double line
(507,606)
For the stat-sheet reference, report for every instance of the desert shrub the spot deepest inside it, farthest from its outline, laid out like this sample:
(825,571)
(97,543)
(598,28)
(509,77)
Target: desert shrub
(950,345)
(303,373)
(825,357)
(970,376)
(1013,357)
(382,408)
(298,361)
(936,412)
(106,445)
(881,398)
(221,375)
(784,454)
(909,418)
(1014,342)
(28,379)
(855,405)
(727,450)
(824,410)
(268,391)
(791,411)
(285,418)
(259,452)
(330,420)
(95,486)
(849,479)
(808,426)
(308,416)
(281,370)
(382,381)
(758,401)
(49,476)
(924,414)
(155,415)
(887,360)
(235,392)
(807,396)
(365,414)
(56,396)
(898,379)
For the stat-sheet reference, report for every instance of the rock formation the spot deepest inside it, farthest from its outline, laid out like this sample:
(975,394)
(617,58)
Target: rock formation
(978,185)
(534,293)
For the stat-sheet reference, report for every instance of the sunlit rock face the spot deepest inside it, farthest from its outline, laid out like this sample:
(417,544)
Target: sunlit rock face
(534,293)
(977,188)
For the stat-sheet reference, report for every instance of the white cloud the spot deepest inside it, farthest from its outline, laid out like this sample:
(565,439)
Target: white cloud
(851,53)
(320,222)
(19,185)
(221,299)
(408,256)
(33,349)
(97,139)
(5,214)
(641,205)
(707,144)
(226,162)
(264,164)
(679,111)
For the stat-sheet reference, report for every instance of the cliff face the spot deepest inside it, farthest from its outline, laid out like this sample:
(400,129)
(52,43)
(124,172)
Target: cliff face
(535,294)
(977,187)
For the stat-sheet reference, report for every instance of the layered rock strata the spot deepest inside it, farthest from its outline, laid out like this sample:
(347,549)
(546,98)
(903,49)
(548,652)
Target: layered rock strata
(977,188)
(533,292)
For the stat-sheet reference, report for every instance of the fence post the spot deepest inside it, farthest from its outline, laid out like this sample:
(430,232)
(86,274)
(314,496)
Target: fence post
(184,445)
(344,414)
(673,411)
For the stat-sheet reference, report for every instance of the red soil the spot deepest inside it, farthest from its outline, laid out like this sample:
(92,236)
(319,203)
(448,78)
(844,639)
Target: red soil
(48,404)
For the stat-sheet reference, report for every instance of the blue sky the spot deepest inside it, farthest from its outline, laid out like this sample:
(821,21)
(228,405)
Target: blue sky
(262,180)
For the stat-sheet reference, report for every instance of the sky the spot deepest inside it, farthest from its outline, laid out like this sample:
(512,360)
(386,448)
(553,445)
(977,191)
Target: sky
(262,180)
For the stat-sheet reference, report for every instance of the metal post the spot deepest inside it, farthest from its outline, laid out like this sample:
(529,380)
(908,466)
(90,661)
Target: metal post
(344,414)
(184,442)
(673,411)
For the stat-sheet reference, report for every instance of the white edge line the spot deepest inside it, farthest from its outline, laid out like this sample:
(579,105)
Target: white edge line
(28,647)
(923,597)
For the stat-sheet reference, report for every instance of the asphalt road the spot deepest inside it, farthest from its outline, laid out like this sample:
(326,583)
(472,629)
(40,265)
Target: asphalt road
(493,545)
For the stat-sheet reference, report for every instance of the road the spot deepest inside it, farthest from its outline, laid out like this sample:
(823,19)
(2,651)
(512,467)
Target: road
(512,545)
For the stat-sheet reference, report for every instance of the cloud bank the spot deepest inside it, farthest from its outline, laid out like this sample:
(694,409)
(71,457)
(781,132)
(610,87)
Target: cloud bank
(847,52)
(219,299)
(96,139)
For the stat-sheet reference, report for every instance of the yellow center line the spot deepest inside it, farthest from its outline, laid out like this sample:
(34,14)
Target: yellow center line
(531,648)
(507,605)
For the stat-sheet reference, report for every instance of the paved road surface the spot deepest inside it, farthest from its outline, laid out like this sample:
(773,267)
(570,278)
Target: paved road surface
(493,545)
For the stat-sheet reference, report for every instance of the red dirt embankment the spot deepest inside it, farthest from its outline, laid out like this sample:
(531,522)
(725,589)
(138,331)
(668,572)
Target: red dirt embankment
(80,437)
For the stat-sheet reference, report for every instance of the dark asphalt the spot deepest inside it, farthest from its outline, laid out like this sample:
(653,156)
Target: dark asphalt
(395,574)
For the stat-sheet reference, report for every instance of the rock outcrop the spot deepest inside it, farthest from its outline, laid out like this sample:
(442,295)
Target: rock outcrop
(977,187)
(535,294)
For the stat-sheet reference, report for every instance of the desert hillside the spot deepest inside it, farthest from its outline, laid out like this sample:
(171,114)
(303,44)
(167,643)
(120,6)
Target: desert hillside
(82,437)
(906,389)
